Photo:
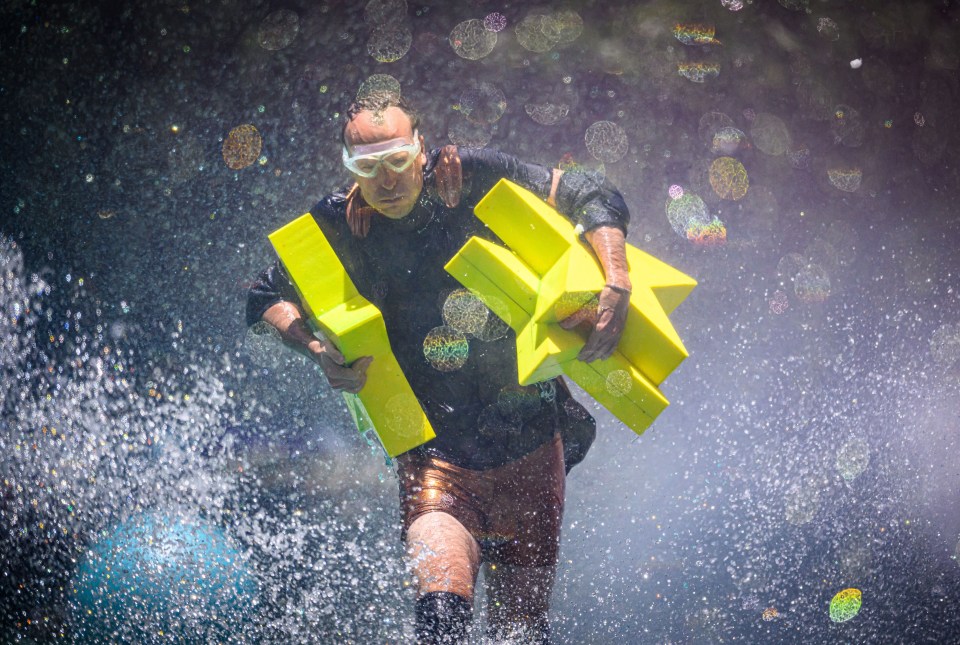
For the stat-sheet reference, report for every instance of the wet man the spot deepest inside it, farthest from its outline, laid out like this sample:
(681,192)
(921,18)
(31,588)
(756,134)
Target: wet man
(489,489)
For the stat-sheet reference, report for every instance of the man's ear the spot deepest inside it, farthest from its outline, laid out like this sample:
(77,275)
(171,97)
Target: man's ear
(423,150)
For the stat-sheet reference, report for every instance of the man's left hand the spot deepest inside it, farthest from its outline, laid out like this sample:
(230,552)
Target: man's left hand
(607,323)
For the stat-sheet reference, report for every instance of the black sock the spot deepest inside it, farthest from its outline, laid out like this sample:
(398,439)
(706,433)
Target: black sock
(442,618)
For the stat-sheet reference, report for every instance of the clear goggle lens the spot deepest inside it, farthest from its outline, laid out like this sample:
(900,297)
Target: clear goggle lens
(397,159)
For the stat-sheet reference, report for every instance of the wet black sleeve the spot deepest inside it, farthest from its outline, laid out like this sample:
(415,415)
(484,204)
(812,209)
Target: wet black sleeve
(271,286)
(587,199)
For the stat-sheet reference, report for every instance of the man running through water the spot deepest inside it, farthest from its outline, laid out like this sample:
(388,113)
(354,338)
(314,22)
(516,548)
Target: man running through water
(489,489)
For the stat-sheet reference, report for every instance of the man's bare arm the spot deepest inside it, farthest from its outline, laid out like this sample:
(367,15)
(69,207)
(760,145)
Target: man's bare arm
(288,320)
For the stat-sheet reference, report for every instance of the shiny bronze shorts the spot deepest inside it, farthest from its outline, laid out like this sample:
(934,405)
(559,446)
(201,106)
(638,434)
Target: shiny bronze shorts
(514,511)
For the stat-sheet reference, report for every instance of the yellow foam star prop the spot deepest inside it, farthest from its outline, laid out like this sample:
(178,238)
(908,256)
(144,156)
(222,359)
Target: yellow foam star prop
(386,404)
(546,274)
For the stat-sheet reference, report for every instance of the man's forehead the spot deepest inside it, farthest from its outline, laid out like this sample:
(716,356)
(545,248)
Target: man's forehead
(371,126)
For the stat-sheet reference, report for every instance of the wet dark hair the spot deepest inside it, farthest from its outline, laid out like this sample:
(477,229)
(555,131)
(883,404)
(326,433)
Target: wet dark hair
(378,102)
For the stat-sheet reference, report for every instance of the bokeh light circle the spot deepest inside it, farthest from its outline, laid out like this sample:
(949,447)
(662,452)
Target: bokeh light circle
(547,113)
(710,124)
(465,312)
(606,141)
(495,21)
(382,86)
(853,458)
(379,12)
(445,348)
(523,400)
(845,605)
(493,423)
(728,141)
(483,104)
(262,345)
(534,33)
(469,135)
(404,416)
(729,178)
(812,284)
(828,29)
(698,71)
(945,344)
(241,147)
(845,179)
(497,324)
(389,42)
(566,26)
(619,383)
(684,210)
(769,134)
(278,30)
(472,40)
(802,502)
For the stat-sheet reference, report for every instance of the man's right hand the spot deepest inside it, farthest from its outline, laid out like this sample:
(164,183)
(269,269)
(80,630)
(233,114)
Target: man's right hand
(350,378)
(287,318)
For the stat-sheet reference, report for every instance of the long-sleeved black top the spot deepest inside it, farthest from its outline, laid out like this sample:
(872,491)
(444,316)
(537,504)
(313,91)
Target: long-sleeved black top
(482,416)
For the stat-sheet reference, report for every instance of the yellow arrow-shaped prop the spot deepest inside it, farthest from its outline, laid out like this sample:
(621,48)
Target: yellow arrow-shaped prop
(548,273)
(356,327)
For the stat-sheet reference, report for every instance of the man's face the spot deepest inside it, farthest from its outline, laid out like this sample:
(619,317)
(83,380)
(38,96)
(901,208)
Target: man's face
(392,193)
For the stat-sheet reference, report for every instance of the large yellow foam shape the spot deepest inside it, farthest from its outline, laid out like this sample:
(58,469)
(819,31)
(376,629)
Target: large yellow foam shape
(356,327)
(545,243)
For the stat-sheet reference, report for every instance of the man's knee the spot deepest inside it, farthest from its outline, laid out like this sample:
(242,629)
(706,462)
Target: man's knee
(443,555)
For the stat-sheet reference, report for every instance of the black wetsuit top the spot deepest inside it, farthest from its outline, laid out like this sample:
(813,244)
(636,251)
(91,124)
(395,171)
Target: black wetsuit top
(482,417)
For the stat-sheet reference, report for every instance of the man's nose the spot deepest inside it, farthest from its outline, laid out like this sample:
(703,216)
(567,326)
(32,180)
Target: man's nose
(388,178)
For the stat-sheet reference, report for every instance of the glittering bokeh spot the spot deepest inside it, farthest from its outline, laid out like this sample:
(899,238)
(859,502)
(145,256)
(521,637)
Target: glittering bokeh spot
(812,284)
(845,605)
(494,423)
(695,34)
(519,399)
(472,40)
(685,209)
(378,12)
(495,21)
(712,233)
(945,344)
(582,305)
(445,348)
(619,383)
(404,415)
(483,104)
(699,71)
(389,42)
(769,134)
(606,141)
(383,86)
(278,30)
(465,312)
(547,113)
(728,178)
(728,140)
(845,179)
(242,147)
(853,458)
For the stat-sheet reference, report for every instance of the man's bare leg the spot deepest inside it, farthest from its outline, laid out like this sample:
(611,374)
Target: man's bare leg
(519,600)
(445,560)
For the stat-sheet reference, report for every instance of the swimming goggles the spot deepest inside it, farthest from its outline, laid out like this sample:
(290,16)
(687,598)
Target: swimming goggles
(397,158)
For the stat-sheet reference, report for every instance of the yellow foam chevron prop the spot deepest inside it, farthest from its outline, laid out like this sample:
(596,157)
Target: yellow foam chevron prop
(356,327)
(548,273)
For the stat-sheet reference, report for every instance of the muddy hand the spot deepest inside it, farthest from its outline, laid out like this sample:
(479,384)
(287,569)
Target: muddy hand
(611,315)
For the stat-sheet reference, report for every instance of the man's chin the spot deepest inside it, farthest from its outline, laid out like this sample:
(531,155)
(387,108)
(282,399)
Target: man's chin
(395,210)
